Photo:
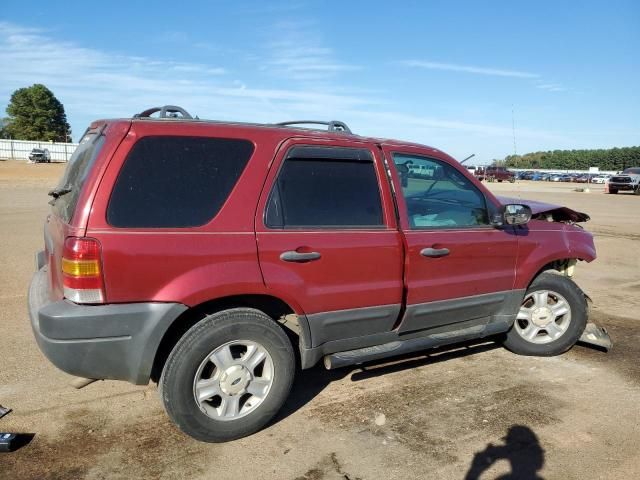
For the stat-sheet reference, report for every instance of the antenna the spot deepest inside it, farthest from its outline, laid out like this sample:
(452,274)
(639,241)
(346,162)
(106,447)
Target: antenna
(513,128)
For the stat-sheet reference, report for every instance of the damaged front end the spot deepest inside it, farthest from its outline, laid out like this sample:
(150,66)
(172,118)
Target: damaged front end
(593,334)
(548,211)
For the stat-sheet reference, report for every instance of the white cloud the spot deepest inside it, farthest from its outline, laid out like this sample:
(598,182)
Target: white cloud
(497,72)
(299,54)
(94,84)
(98,83)
(551,87)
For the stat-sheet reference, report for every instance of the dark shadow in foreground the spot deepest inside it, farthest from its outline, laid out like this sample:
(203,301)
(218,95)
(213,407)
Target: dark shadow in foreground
(521,448)
(309,383)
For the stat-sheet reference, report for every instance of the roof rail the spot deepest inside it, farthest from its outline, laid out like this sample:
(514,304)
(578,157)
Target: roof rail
(334,125)
(168,111)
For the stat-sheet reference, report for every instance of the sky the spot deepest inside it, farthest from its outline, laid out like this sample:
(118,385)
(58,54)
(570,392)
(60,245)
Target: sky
(462,76)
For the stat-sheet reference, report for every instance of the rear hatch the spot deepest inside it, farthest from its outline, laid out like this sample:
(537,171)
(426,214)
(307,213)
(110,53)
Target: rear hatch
(72,197)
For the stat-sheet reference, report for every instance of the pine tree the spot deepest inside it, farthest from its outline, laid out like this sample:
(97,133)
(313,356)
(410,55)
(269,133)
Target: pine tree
(34,113)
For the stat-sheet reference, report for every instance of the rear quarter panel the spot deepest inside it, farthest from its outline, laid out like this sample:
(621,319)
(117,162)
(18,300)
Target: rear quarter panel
(186,265)
(56,230)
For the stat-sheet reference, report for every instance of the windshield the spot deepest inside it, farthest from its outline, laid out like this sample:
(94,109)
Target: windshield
(634,171)
(76,172)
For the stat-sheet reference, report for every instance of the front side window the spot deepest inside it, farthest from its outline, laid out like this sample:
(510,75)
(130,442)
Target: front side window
(176,182)
(324,187)
(437,195)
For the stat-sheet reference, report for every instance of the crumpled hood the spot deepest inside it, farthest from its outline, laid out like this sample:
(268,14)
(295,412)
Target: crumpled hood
(558,212)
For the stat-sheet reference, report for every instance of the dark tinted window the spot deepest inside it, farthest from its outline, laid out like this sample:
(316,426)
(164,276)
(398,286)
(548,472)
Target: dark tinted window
(75,174)
(176,181)
(438,195)
(325,187)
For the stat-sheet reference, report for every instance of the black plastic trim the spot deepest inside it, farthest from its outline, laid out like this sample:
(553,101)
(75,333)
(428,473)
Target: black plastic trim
(117,342)
(444,312)
(330,153)
(444,322)
(341,324)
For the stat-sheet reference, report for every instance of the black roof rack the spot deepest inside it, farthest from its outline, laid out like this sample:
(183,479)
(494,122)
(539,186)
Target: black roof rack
(334,125)
(168,111)
(173,112)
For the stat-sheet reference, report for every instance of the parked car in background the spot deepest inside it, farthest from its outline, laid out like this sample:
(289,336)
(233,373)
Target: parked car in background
(628,180)
(600,179)
(40,155)
(555,177)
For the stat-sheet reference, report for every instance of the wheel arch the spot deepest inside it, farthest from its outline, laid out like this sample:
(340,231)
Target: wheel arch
(272,306)
(562,266)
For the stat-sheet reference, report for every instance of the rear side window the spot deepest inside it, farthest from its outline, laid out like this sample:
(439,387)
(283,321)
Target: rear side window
(75,174)
(176,181)
(323,187)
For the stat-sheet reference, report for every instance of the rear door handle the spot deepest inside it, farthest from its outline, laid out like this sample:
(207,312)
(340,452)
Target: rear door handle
(434,252)
(293,256)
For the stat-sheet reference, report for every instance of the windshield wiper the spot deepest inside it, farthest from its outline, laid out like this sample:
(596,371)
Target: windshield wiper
(58,192)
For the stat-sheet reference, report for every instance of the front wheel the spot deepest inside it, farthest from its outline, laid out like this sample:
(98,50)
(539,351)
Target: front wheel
(613,190)
(228,375)
(551,318)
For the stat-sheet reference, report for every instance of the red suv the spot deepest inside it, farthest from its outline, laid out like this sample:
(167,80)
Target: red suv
(493,174)
(210,257)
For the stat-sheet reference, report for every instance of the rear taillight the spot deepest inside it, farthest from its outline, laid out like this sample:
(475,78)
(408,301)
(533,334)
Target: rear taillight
(82,270)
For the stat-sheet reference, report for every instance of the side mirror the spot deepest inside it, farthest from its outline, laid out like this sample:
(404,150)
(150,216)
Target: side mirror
(513,214)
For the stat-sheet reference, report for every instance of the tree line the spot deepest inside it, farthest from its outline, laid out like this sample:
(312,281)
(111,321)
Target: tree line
(606,159)
(34,113)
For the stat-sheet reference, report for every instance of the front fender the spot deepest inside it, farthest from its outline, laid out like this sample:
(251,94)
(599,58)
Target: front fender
(542,243)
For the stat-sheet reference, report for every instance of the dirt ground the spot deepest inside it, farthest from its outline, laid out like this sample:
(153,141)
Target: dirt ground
(476,410)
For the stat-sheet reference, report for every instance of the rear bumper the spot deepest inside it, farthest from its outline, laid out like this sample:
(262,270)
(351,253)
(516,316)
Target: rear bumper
(117,342)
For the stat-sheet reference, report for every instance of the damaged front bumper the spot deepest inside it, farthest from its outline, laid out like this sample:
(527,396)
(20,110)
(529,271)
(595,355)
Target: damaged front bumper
(595,335)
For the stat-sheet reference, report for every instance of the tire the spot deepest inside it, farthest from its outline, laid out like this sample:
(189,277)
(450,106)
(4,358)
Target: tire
(613,190)
(528,335)
(223,335)
(637,190)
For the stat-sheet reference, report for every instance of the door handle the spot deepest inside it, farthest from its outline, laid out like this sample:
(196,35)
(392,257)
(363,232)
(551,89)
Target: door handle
(293,256)
(434,252)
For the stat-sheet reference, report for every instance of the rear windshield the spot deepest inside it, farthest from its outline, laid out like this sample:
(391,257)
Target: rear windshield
(75,174)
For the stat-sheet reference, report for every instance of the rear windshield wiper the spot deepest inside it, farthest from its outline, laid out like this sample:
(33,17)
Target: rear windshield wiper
(58,192)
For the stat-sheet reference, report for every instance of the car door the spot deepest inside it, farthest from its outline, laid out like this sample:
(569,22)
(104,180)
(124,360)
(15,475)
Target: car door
(328,242)
(459,268)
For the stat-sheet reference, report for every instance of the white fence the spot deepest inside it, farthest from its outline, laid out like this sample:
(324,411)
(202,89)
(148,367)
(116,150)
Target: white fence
(20,149)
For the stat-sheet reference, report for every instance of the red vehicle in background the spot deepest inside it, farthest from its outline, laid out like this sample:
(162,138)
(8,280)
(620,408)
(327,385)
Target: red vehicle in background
(201,255)
(495,174)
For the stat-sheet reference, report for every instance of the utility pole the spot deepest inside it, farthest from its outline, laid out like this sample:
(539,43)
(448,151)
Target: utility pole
(513,129)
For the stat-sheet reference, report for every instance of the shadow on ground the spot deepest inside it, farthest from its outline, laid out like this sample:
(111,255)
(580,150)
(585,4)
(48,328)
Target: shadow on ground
(521,448)
(310,383)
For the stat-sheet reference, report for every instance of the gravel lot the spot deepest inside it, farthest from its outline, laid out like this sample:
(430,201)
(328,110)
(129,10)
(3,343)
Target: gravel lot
(423,416)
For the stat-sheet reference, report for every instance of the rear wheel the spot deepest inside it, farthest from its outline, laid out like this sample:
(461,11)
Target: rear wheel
(551,318)
(228,375)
